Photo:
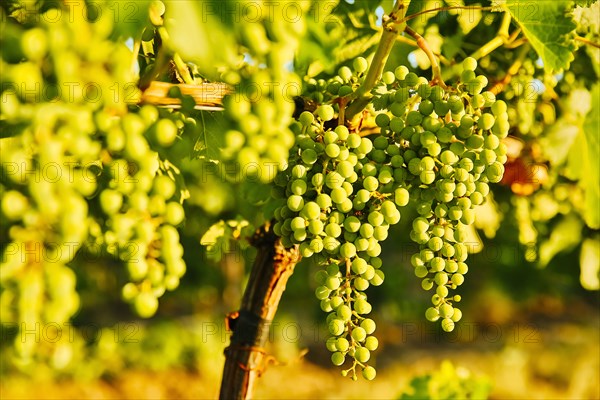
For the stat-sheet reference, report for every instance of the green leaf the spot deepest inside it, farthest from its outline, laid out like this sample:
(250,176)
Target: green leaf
(565,235)
(590,264)
(591,155)
(219,238)
(585,3)
(548,26)
(201,32)
(130,17)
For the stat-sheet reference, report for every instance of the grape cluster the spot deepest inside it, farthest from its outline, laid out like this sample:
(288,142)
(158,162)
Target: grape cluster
(140,205)
(80,171)
(450,150)
(346,82)
(338,199)
(258,138)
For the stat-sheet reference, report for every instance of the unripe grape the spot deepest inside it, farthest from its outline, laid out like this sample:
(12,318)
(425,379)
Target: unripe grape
(441,278)
(369,373)
(347,250)
(368,325)
(375,218)
(388,77)
(344,312)
(362,306)
(362,354)
(421,271)
(447,325)
(432,314)
(337,358)
(111,201)
(469,64)
(322,292)
(377,278)
(457,279)
(337,327)
(145,305)
(457,315)
(360,64)
(325,112)
(358,333)
(166,132)
(446,311)
(359,265)
(401,72)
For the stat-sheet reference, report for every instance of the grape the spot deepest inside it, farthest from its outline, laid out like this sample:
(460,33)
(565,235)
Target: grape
(338,358)
(362,354)
(359,334)
(369,373)
(360,64)
(145,304)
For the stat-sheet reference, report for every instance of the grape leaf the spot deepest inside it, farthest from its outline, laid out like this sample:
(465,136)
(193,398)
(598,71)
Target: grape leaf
(589,261)
(565,235)
(585,3)
(219,238)
(591,155)
(201,32)
(548,26)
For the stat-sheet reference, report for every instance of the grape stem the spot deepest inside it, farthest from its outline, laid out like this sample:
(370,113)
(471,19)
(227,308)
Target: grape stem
(435,66)
(384,48)
(450,8)
(587,41)
(502,38)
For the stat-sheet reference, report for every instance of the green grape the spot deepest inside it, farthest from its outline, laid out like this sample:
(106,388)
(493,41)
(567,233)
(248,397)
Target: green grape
(369,373)
(145,304)
(447,325)
(362,307)
(362,354)
(111,201)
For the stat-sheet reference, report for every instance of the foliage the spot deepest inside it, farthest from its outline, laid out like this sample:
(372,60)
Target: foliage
(449,382)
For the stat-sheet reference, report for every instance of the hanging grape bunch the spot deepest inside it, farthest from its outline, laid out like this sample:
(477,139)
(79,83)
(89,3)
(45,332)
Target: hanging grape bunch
(450,151)
(342,192)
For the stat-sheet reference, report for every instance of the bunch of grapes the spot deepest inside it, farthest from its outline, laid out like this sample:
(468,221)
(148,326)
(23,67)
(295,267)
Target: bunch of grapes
(338,199)
(450,149)
(258,139)
(438,145)
(79,171)
(140,206)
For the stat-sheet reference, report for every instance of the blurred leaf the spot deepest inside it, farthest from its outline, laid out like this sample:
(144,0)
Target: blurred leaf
(548,27)
(337,35)
(565,235)
(202,34)
(585,3)
(487,217)
(590,264)
(131,17)
(449,382)
(219,238)
(591,159)
(467,19)
(558,140)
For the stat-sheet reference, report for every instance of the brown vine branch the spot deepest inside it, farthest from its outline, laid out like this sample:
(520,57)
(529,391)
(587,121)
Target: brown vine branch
(435,66)
(246,358)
